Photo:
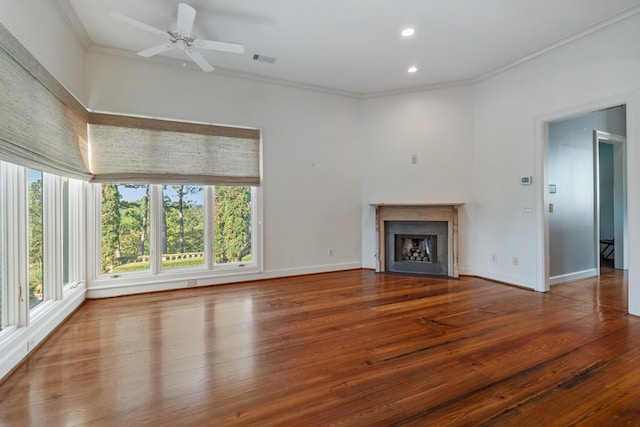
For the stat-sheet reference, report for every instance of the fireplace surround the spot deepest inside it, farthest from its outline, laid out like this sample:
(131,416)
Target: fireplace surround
(417,238)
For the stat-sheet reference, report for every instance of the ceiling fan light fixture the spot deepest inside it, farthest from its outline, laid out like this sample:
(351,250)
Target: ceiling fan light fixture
(408,32)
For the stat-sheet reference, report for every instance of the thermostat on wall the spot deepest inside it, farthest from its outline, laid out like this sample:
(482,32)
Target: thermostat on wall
(526,180)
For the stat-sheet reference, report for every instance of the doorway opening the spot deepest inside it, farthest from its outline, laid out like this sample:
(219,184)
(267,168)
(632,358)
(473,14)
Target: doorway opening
(585,200)
(610,162)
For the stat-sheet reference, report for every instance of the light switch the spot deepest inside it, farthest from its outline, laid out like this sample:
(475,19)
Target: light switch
(550,207)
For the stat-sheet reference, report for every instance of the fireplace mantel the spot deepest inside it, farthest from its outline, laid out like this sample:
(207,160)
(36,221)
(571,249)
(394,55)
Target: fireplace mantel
(418,212)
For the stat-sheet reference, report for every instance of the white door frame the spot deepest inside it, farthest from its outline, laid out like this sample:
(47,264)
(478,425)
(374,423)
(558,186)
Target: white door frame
(620,247)
(632,102)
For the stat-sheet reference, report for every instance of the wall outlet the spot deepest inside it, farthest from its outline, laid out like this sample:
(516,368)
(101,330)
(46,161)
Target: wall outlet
(514,260)
(191,283)
(414,159)
(330,252)
(494,258)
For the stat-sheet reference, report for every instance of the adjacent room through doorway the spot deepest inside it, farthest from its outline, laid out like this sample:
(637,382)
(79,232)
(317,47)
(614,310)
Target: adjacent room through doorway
(587,209)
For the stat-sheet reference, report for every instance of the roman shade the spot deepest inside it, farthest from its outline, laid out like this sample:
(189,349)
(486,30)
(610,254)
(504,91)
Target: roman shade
(41,125)
(141,150)
(44,127)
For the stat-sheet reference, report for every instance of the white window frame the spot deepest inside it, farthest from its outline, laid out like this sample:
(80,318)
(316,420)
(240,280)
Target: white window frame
(15,243)
(207,251)
(256,233)
(13,259)
(77,261)
(52,238)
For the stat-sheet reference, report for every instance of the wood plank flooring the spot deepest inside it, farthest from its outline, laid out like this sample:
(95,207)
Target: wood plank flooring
(345,348)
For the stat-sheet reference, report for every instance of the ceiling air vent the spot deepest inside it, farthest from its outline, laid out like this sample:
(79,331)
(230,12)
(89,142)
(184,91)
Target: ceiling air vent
(264,58)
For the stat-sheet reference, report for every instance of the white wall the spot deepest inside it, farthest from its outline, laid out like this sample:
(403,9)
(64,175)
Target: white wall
(436,126)
(311,149)
(41,28)
(599,70)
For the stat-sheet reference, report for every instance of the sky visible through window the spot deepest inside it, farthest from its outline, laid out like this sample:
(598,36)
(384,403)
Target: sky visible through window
(34,175)
(169,191)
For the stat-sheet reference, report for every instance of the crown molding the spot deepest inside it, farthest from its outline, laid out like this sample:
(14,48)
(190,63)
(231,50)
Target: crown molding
(571,38)
(221,71)
(69,15)
(417,89)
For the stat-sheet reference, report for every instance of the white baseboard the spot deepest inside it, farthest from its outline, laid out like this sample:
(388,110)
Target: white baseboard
(105,290)
(509,279)
(526,282)
(555,280)
(17,343)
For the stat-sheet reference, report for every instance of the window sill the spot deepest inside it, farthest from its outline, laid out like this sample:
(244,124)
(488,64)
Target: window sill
(131,283)
(17,342)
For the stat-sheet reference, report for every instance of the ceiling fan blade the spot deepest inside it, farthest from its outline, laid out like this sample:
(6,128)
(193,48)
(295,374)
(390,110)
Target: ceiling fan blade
(186,16)
(156,49)
(221,46)
(138,24)
(200,60)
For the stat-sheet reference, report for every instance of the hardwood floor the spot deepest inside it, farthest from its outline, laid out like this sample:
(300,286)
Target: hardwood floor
(608,290)
(346,348)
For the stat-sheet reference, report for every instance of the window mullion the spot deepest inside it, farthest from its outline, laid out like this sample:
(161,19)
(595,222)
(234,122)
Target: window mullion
(209,206)
(52,236)
(7,298)
(256,225)
(93,239)
(16,245)
(155,235)
(21,265)
(77,237)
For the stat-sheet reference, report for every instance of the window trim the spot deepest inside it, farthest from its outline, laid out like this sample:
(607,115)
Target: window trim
(14,223)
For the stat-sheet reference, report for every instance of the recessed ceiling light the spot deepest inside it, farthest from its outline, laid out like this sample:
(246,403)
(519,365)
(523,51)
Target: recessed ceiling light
(408,32)
(412,69)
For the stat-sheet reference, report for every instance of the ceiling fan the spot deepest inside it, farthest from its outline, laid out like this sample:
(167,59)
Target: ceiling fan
(182,38)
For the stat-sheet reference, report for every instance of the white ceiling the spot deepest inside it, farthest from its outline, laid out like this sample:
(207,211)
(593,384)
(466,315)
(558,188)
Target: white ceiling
(355,46)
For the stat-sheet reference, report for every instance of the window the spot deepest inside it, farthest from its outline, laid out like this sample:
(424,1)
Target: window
(125,228)
(36,248)
(232,224)
(182,226)
(188,226)
(42,219)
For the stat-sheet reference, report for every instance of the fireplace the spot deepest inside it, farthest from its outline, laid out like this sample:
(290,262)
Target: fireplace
(418,247)
(418,239)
